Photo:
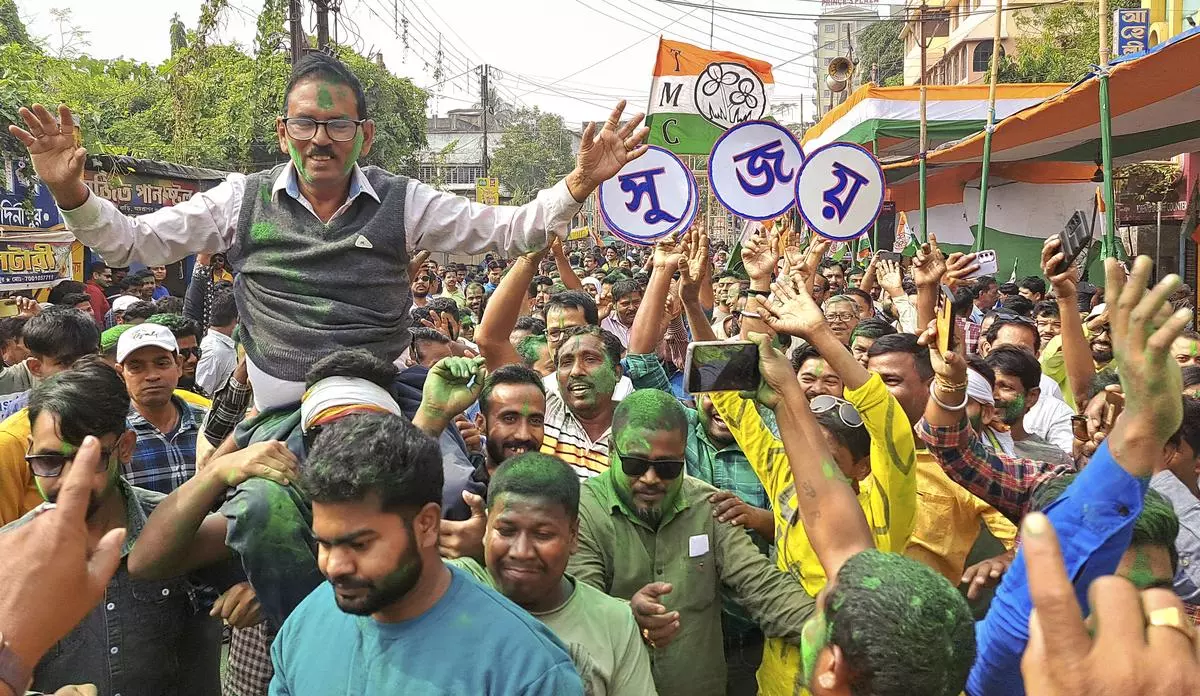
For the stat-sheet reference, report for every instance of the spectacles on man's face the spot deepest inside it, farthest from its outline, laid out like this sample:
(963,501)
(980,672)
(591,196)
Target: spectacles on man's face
(667,469)
(338,129)
(841,316)
(51,465)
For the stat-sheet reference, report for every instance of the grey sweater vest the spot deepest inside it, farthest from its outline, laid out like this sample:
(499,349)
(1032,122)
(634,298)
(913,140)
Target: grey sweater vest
(305,289)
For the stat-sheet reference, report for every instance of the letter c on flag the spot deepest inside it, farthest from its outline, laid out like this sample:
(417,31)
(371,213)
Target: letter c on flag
(666,135)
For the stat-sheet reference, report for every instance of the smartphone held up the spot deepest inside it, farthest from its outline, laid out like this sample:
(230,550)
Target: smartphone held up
(713,366)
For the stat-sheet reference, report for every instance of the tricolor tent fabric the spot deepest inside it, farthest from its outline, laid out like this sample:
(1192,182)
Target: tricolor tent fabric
(889,117)
(698,94)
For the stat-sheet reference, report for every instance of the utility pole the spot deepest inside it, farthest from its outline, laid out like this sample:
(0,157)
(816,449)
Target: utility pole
(295,23)
(485,106)
(322,25)
(924,142)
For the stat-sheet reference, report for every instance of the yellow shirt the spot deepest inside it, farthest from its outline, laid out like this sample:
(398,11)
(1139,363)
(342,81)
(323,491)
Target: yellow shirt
(948,519)
(888,498)
(18,492)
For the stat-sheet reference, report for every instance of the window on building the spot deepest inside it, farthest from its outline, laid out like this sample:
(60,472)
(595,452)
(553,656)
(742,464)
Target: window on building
(982,56)
(829,28)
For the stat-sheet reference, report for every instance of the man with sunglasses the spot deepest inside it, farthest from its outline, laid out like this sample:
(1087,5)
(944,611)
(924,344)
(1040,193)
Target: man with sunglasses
(649,534)
(144,637)
(320,244)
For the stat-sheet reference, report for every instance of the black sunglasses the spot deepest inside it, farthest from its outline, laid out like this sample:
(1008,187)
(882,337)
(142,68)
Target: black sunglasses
(51,465)
(667,469)
(185,352)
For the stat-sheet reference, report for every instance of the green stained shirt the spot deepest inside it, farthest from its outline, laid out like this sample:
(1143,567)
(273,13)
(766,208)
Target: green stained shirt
(619,554)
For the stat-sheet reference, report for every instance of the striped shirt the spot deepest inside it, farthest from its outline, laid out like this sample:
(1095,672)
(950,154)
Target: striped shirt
(567,439)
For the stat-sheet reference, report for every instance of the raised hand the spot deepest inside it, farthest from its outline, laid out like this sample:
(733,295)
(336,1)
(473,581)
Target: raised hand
(601,155)
(449,389)
(464,539)
(659,626)
(1140,643)
(812,260)
(1065,284)
(959,267)
(950,366)
(697,266)
(776,371)
(929,265)
(56,158)
(887,272)
(414,264)
(794,311)
(1143,328)
(760,255)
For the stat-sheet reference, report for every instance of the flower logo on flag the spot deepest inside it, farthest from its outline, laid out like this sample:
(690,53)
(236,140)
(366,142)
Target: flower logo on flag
(730,93)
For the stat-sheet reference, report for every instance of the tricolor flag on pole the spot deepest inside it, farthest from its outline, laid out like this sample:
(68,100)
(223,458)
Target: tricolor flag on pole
(698,94)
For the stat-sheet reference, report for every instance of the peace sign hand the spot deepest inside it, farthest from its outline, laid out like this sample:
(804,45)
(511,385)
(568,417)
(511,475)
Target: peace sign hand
(601,155)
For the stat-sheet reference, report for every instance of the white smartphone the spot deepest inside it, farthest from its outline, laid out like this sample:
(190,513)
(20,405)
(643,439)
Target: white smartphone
(988,266)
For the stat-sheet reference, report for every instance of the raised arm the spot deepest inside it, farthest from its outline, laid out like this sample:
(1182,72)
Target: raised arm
(181,535)
(503,310)
(694,274)
(565,272)
(797,314)
(444,222)
(649,326)
(833,519)
(1076,353)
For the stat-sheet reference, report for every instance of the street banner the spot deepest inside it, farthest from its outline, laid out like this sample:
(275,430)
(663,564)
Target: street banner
(840,191)
(752,169)
(651,198)
(35,260)
(698,94)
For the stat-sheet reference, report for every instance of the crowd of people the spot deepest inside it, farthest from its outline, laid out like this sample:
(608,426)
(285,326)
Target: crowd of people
(340,466)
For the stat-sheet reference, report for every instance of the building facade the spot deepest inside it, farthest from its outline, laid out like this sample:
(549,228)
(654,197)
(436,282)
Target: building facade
(837,36)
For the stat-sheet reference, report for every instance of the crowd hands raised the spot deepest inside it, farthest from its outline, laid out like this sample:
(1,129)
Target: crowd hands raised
(522,499)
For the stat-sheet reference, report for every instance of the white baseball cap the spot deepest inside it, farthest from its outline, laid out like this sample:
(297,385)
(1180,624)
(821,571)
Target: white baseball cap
(144,335)
(124,302)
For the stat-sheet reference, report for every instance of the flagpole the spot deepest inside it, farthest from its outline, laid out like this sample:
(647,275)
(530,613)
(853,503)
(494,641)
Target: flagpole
(1109,245)
(924,141)
(981,230)
(875,229)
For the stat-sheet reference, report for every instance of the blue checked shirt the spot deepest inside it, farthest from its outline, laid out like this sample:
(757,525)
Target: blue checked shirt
(164,461)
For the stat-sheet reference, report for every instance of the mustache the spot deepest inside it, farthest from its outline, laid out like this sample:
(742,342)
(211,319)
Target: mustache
(351,582)
(322,150)
(527,444)
(645,488)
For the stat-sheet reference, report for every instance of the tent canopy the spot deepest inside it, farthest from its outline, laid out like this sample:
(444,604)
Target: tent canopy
(1155,107)
(889,117)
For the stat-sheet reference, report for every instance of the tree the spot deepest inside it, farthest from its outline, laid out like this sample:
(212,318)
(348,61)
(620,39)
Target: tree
(535,152)
(12,29)
(178,34)
(880,45)
(1062,43)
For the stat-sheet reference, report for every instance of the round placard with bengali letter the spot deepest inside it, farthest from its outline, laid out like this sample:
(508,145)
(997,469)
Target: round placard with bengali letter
(652,197)
(840,190)
(753,168)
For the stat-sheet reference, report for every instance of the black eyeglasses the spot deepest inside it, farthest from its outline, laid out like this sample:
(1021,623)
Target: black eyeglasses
(51,465)
(667,469)
(849,415)
(338,129)
(185,353)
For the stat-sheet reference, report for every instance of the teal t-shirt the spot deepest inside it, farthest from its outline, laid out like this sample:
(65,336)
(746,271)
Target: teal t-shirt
(473,641)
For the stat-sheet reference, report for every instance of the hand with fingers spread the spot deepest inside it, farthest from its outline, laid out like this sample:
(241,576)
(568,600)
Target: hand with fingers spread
(453,384)
(270,460)
(603,153)
(929,265)
(794,311)
(986,573)
(464,539)
(238,607)
(888,274)
(52,573)
(1140,643)
(760,255)
(659,626)
(1144,324)
(57,159)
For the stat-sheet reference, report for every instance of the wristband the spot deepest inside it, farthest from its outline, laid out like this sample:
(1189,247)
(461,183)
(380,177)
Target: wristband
(752,315)
(936,400)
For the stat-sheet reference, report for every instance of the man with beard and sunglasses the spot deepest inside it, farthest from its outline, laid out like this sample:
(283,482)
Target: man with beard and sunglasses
(145,637)
(320,244)
(392,613)
(650,534)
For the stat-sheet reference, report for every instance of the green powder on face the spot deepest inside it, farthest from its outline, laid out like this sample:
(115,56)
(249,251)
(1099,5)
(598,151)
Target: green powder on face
(1013,409)
(353,158)
(298,161)
(324,97)
(1141,575)
(605,378)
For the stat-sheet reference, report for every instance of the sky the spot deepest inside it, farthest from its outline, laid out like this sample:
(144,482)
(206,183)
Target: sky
(576,58)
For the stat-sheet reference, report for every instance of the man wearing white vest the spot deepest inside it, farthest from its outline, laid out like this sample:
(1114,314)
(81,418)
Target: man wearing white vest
(319,245)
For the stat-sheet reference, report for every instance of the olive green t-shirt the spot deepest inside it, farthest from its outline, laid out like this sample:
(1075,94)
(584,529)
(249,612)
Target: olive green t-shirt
(601,637)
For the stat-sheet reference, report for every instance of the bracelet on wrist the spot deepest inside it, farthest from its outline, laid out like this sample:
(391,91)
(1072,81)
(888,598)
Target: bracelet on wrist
(947,385)
(751,315)
(948,407)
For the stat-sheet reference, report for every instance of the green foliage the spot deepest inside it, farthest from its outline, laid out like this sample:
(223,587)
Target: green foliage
(535,152)
(178,34)
(208,105)
(12,29)
(1062,45)
(880,44)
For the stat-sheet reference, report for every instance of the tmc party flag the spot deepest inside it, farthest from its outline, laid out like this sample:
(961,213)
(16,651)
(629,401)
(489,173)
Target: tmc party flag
(698,94)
